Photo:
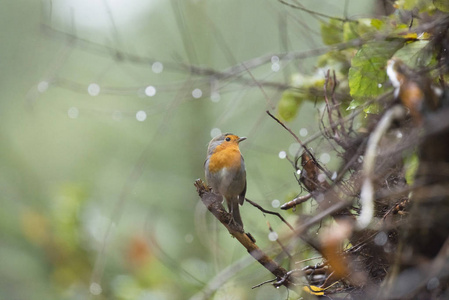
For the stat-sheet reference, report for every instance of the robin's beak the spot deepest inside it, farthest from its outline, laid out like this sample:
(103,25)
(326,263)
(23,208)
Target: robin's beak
(241,139)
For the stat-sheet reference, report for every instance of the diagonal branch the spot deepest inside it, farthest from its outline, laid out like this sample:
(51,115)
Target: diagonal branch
(213,203)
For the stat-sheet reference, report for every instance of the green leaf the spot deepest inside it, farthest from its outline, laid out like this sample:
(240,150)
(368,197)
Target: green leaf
(289,104)
(367,72)
(407,4)
(421,5)
(411,166)
(442,5)
(373,108)
(350,31)
(332,32)
(412,55)
(377,23)
(354,104)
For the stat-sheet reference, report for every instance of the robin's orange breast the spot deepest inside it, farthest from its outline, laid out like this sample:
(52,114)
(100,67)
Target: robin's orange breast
(228,157)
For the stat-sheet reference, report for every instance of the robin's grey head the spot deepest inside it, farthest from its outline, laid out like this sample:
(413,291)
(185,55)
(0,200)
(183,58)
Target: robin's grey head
(223,138)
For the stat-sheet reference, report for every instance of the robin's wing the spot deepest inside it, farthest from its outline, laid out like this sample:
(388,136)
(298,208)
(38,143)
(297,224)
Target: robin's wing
(242,195)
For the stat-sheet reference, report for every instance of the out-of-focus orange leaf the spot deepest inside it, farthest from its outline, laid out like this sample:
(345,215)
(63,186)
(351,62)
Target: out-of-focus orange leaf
(34,226)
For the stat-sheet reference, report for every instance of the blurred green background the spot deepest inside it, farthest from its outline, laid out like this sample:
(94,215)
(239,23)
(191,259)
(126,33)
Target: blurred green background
(104,129)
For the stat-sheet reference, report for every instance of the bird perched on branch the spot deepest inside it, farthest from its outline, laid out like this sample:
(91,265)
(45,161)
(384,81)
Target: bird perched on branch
(415,90)
(225,171)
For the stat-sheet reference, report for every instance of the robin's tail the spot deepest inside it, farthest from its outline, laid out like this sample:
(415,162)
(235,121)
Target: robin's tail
(234,209)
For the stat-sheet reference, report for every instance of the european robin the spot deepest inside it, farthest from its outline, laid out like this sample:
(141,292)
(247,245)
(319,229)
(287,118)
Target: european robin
(225,171)
(413,89)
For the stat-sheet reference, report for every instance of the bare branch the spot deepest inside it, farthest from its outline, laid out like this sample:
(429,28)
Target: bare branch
(298,200)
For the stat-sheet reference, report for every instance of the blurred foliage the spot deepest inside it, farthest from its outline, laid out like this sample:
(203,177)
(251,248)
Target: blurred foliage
(86,187)
(361,70)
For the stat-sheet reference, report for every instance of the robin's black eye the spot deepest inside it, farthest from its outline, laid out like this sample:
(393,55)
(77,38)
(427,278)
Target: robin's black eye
(228,139)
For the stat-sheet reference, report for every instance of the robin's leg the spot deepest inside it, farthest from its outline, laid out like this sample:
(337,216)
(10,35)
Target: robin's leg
(234,210)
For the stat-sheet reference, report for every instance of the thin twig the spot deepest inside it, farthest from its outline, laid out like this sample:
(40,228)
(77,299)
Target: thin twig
(334,102)
(278,241)
(312,12)
(301,143)
(263,283)
(270,212)
(328,106)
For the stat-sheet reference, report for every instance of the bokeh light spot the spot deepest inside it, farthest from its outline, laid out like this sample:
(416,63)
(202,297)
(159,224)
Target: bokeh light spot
(150,91)
(274,59)
(273,236)
(93,89)
(381,238)
(325,158)
(275,67)
(215,97)
(141,115)
(294,149)
(303,132)
(321,177)
(95,288)
(42,86)
(73,112)
(157,67)
(197,93)
(275,203)
(215,132)
(433,283)
(282,154)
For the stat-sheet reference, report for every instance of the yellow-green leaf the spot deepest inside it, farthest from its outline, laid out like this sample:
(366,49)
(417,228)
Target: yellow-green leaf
(442,5)
(412,55)
(288,105)
(350,31)
(367,72)
(332,32)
